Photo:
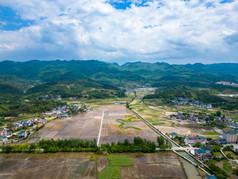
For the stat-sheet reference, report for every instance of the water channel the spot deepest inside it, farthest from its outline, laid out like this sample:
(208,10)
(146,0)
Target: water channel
(190,169)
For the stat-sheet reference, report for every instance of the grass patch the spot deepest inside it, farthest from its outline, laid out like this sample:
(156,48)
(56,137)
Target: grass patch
(150,114)
(217,154)
(226,165)
(231,154)
(213,137)
(50,119)
(92,158)
(157,123)
(115,164)
(233,116)
(172,125)
(211,133)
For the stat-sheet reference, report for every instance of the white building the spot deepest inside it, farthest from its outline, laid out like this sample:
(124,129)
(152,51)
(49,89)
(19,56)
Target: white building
(230,136)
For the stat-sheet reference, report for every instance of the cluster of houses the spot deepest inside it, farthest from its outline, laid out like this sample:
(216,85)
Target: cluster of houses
(204,152)
(200,119)
(228,137)
(56,97)
(227,83)
(13,130)
(20,129)
(193,140)
(181,101)
(53,97)
(227,122)
(63,111)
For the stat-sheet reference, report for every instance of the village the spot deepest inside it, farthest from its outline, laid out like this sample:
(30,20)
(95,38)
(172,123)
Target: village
(186,102)
(18,131)
(225,145)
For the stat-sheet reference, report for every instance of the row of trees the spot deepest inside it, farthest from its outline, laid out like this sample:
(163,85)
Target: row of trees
(138,145)
(78,145)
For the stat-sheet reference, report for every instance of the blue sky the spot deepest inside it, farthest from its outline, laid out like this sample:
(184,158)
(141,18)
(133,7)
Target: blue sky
(174,31)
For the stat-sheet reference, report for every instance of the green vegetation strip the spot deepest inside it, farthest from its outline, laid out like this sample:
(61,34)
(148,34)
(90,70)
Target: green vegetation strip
(122,124)
(211,133)
(115,164)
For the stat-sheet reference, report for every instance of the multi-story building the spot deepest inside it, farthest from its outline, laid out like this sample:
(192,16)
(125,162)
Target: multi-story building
(230,136)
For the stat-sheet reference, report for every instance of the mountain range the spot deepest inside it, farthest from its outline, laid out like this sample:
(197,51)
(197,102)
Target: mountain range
(34,76)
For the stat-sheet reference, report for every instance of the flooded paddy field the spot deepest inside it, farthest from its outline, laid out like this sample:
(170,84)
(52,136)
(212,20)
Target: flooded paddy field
(78,165)
(47,166)
(87,126)
(157,165)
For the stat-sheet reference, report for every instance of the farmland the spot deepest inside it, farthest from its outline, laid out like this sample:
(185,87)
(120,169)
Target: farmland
(157,116)
(79,165)
(158,165)
(87,126)
(114,168)
(59,165)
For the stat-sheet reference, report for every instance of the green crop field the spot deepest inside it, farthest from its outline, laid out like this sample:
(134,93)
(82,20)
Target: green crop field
(211,133)
(115,164)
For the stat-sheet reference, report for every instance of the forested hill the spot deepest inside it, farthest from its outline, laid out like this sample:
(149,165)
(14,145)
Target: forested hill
(98,74)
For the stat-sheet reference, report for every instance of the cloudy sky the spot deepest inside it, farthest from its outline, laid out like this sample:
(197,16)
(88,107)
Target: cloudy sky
(173,31)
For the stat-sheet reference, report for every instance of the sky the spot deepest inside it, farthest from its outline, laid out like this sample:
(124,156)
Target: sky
(172,31)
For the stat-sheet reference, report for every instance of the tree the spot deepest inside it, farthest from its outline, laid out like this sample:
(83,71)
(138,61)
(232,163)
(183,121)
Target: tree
(228,148)
(127,105)
(235,171)
(198,144)
(138,141)
(126,142)
(215,148)
(160,140)
(218,113)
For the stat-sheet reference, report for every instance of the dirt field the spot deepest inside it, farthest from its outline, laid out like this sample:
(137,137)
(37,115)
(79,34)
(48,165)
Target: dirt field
(159,165)
(87,126)
(82,126)
(185,128)
(111,131)
(47,166)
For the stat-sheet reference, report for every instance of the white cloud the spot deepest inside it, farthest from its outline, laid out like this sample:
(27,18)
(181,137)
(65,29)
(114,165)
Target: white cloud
(174,31)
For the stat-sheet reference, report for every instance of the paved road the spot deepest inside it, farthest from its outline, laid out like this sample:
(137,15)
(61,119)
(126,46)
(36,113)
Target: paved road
(174,144)
(100,130)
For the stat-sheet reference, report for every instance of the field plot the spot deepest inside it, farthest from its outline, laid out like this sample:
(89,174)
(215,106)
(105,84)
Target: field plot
(158,165)
(114,131)
(156,115)
(82,126)
(59,165)
(118,124)
(184,127)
